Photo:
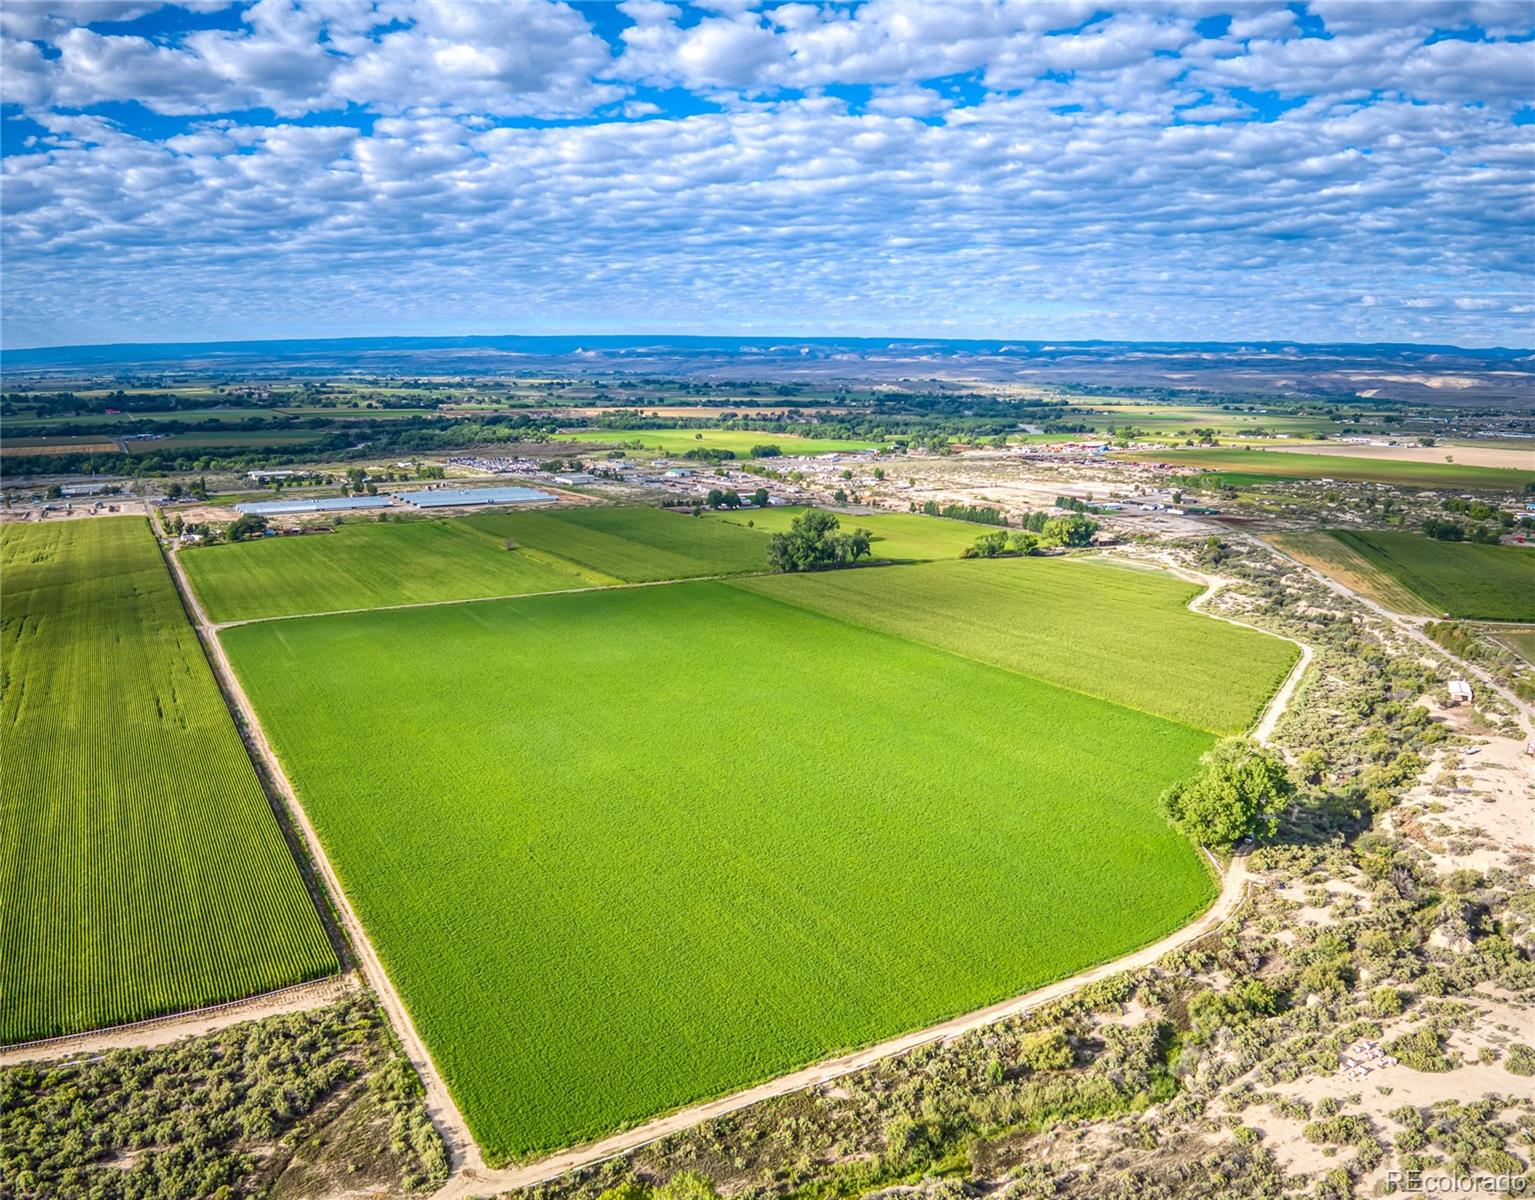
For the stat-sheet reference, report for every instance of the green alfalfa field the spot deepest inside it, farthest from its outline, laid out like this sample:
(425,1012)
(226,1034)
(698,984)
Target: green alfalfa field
(1114,631)
(1278,464)
(894,537)
(1459,579)
(626,849)
(368,564)
(141,868)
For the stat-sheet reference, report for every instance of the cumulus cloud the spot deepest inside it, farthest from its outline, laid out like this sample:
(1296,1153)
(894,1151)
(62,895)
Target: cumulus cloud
(1034,169)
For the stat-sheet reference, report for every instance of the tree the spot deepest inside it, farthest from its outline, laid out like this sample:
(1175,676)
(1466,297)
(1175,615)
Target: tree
(715,498)
(249,525)
(1214,552)
(1238,794)
(1069,531)
(988,545)
(760,497)
(1024,543)
(813,541)
(879,472)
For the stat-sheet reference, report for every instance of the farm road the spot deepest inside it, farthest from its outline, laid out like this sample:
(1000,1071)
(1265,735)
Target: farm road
(463,1152)
(162,1031)
(1411,628)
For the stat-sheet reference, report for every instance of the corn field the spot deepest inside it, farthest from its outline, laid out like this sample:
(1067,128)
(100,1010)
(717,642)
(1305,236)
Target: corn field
(141,869)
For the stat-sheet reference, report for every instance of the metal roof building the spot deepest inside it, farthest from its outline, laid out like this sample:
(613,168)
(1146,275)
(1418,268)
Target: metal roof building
(450,497)
(274,508)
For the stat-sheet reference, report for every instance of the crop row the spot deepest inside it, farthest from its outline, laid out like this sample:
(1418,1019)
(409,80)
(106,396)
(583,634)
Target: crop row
(141,868)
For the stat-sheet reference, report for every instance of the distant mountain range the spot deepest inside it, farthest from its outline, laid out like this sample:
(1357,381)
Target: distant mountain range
(1497,376)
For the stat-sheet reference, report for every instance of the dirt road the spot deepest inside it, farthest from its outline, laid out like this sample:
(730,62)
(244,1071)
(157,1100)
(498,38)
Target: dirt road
(162,1031)
(476,1182)
(463,1153)
(1408,627)
(470,1176)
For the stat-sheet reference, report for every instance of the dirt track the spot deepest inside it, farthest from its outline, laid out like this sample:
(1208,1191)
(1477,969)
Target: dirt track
(162,1031)
(470,1176)
(462,1150)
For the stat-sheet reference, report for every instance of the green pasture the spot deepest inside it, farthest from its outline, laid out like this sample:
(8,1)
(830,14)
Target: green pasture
(1519,639)
(1283,465)
(625,849)
(677,442)
(141,868)
(233,440)
(1459,579)
(1166,418)
(1111,631)
(896,536)
(370,565)
(633,544)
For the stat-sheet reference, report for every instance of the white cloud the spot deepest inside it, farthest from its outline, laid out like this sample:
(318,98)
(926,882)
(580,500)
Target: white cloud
(1073,205)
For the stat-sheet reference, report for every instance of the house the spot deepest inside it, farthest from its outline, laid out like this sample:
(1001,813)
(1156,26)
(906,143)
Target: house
(576,477)
(1460,692)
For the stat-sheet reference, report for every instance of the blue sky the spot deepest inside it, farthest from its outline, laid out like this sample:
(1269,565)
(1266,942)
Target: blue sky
(1334,170)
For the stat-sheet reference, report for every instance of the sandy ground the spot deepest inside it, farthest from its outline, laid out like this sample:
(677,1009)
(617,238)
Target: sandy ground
(162,1031)
(1472,456)
(1475,809)
(1497,1024)
(126,507)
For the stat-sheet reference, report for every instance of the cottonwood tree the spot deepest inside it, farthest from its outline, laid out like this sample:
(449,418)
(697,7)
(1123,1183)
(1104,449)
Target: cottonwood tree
(1238,794)
(813,541)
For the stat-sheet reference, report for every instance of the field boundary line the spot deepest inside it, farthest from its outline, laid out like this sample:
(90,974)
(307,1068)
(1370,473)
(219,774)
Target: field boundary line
(463,1151)
(118,1036)
(219,627)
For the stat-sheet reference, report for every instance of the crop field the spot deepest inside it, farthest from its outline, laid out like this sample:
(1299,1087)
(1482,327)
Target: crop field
(738,441)
(141,868)
(632,545)
(1166,418)
(237,439)
(1107,630)
(1520,640)
(898,537)
(1494,583)
(370,565)
(123,420)
(80,444)
(753,836)
(1353,570)
(1284,465)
